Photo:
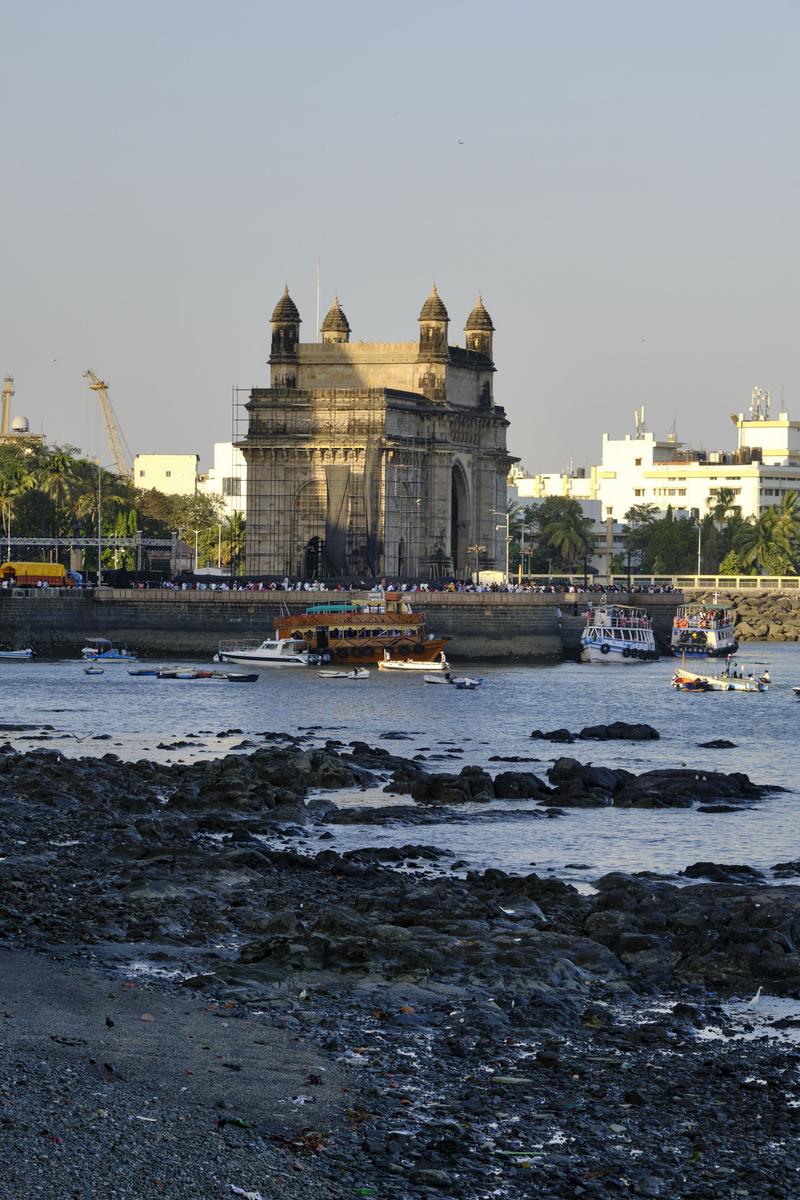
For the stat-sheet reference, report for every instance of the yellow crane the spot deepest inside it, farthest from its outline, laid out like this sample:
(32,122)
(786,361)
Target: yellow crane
(123,460)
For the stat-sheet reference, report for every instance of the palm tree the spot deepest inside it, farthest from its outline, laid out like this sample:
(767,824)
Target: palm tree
(787,524)
(234,534)
(13,485)
(723,506)
(569,535)
(57,479)
(759,538)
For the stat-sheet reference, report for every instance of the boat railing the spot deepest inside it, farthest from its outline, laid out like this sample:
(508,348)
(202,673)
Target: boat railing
(241,645)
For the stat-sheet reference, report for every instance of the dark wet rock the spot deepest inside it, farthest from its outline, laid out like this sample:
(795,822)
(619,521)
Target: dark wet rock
(786,869)
(717,744)
(515,785)
(512,758)
(721,872)
(619,731)
(554,735)
(719,808)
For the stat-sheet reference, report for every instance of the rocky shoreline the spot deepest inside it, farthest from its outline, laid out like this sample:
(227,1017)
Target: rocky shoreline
(455,1033)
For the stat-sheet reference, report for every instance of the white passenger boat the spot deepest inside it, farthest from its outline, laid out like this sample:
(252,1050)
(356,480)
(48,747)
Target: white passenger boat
(387,663)
(273,652)
(704,629)
(617,633)
(102,650)
(21,655)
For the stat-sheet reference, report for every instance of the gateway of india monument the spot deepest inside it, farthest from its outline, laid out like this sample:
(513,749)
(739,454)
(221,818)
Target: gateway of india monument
(376,458)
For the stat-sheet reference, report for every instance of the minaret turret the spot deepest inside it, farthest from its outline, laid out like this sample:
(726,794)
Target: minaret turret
(479,330)
(283,360)
(433,321)
(336,327)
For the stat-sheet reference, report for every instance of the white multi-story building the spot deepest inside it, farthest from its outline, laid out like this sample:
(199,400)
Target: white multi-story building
(172,474)
(227,478)
(641,469)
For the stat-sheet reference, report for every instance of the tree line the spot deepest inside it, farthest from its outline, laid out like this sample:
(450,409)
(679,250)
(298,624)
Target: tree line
(55,492)
(554,537)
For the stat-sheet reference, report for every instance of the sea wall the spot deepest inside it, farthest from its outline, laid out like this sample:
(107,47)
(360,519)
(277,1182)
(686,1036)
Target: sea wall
(486,625)
(760,615)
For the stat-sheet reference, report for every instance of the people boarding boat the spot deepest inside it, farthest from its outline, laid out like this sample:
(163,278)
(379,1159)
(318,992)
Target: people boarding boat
(617,633)
(102,650)
(340,631)
(272,652)
(705,629)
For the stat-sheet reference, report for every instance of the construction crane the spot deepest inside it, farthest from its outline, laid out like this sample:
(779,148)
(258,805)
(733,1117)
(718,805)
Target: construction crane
(123,460)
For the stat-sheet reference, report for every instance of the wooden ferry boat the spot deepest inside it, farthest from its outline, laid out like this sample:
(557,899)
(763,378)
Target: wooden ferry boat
(347,631)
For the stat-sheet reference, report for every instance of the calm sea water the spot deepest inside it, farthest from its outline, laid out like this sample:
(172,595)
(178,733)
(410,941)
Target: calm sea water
(139,713)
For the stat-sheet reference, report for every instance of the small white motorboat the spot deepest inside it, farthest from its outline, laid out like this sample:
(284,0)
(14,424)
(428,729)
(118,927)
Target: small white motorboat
(462,682)
(93,671)
(273,652)
(356,673)
(21,655)
(387,663)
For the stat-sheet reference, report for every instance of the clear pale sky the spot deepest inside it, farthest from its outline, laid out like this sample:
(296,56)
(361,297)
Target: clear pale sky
(618,178)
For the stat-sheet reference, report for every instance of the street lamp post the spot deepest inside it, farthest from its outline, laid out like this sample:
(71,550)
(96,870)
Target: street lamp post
(476,550)
(699,546)
(499,513)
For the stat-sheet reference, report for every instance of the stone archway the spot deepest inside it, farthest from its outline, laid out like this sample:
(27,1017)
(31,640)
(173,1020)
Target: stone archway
(459,519)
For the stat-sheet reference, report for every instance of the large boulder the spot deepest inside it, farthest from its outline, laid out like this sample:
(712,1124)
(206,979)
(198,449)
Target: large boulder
(619,731)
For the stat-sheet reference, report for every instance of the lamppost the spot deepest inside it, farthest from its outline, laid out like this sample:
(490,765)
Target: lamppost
(498,513)
(699,546)
(476,550)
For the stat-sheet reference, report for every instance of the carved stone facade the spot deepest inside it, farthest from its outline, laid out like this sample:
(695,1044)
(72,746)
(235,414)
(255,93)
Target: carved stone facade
(376,459)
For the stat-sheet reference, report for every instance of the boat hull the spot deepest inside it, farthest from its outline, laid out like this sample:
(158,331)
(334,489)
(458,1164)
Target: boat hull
(694,651)
(262,660)
(617,656)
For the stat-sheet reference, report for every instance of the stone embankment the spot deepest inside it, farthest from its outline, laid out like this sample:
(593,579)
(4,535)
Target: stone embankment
(761,615)
(486,625)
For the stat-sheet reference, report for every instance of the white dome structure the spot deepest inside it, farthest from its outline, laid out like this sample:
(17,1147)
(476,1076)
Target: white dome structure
(20,425)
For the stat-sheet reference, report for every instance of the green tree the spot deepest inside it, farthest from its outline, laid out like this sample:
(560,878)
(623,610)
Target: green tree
(723,506)
(233,540)
(566,532)
(57,479)
(768,542)
(14,483)
(732,564)
(640,522)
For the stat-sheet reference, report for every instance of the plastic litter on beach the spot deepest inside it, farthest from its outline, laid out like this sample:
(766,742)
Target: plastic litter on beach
(237,1191)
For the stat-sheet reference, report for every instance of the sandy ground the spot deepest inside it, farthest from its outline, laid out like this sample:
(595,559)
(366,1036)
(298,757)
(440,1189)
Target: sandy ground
(109,1089)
